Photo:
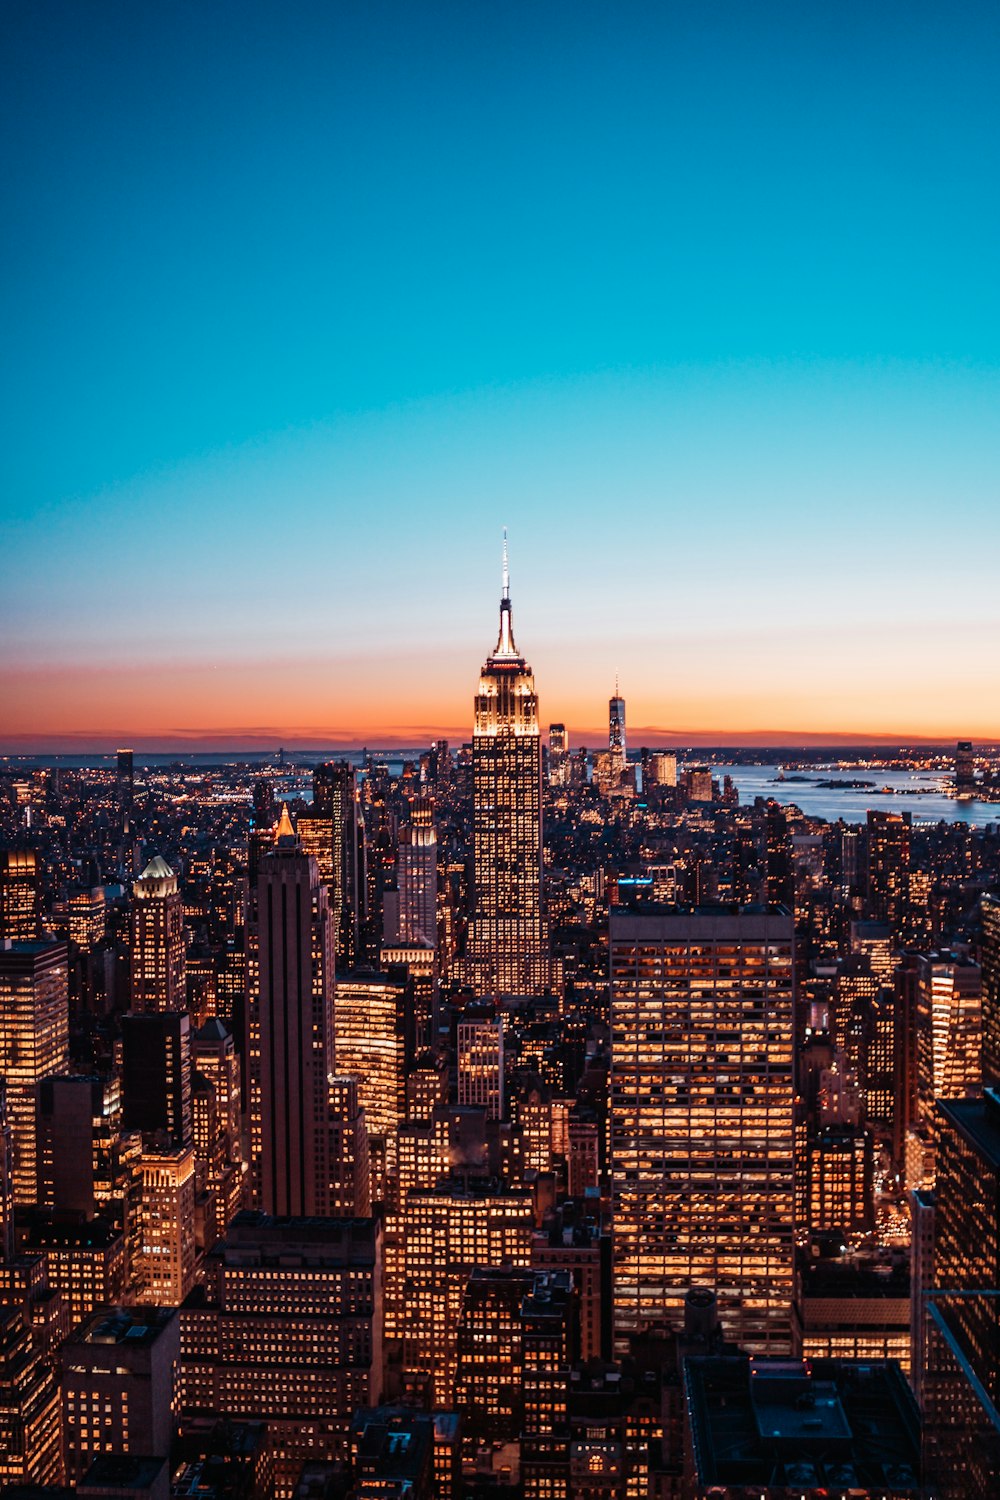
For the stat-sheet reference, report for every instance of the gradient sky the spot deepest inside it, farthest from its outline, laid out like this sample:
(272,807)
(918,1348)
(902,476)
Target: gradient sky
(302,303)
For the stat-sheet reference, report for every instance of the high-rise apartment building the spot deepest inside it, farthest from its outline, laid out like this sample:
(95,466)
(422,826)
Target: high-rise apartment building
(508,947)
(20,896)
(701,1117)
(291,1030)
(34,1042)
(157,941)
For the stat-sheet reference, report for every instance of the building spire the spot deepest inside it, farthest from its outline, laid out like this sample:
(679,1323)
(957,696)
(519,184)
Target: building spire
(285,830)
(505,640)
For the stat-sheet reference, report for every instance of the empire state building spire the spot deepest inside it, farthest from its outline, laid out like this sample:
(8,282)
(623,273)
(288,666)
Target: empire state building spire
(505,640)
(507,949)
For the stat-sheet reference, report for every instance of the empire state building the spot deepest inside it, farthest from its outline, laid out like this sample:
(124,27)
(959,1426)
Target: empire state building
(508,947)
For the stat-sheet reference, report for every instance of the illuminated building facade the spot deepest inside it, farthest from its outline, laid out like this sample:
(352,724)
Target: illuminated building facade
(701,1117)
(990,911)
(20,896)
(290,1333)
(291,1030)
(949,1028)
(889,868)
(616,732)
(34,1042)
(156,1075)
(967,1228)
(965,771)
(417,877)
(350,1165)
(30,1437)
(507,950)
(446,1233)
(218,1135)
(168,1255)
(331,832)
(157,940)
(558,755)
(117,1385)
(370,1046)
(481,1065)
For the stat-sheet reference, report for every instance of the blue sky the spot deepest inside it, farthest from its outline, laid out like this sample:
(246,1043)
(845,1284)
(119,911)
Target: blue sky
(302,303)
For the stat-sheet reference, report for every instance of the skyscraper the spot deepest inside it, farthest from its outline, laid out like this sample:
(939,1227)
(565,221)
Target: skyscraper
(20,896)
(701,1117)
(291,1030)
(34,1042)
(991,990)
(157,942)
(417,877)
(965,771)
(616,731)
(125,778)
(330,832)
(508,936)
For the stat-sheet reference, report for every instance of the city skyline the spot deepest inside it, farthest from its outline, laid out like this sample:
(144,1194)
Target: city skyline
(701,306)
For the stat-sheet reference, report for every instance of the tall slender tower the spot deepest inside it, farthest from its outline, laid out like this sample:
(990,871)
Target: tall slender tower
(508,936)
(157,942)
(616,730)
(291,1031)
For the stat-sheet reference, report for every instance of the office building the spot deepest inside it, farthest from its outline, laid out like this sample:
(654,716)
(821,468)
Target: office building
(125,778)
(949,1028)
(331,831)
(34,1043)
(481,1065)
(452,1229)
(288,1332)
(965,771)
(20,896)
(416,877)
(117,1385)
(217,1122)
(157,940)
(990,913)
(156,1075)
(508,946)
(291,1030)
(558,755)
(350,1160)
(370,1045)
(889,869)
(30,1439)
(701,1117)
(168,1252)
(616,732)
